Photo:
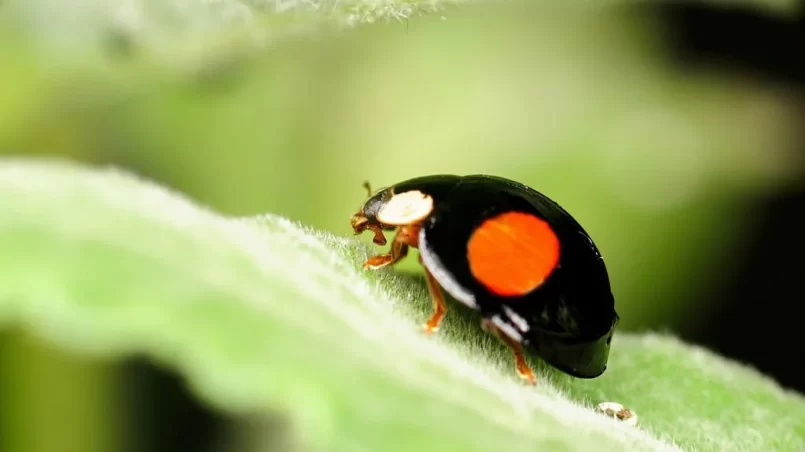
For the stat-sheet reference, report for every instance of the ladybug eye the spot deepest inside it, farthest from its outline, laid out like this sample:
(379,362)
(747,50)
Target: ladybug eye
(406,208)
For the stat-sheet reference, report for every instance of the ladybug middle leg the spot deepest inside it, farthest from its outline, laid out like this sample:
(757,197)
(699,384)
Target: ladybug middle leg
(439,306)
(523,369)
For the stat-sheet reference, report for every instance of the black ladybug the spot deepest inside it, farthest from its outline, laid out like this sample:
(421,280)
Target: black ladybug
(508,251)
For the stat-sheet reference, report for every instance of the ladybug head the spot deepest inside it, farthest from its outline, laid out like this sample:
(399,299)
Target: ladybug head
(387,210)
(366,217)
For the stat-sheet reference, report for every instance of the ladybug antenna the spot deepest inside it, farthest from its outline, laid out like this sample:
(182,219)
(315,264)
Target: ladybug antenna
(367,187)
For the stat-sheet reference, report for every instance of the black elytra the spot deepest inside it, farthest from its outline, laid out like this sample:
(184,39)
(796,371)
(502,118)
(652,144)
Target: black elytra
(568,320)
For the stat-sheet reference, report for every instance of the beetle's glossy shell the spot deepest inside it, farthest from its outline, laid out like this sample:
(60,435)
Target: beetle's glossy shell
(568,321)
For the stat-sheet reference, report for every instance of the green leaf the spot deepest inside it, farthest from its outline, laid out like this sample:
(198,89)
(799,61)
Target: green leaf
(263,314)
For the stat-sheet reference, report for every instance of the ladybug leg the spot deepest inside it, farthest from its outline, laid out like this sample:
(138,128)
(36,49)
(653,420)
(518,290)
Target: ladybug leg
(405,237)
(523,370)
(398,251)
(439,306)
(408,236)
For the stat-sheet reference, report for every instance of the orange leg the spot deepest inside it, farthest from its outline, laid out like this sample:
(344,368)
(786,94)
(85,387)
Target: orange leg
(398,251)
(523,370)
(406,236)
(439,306)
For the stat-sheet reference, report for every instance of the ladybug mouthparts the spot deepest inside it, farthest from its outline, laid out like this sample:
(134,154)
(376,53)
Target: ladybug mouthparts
(360,223)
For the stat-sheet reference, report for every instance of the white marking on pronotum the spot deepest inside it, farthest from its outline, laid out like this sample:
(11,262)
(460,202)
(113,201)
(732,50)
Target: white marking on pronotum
(618,411)
(406,208)
(445,279)
(518,320)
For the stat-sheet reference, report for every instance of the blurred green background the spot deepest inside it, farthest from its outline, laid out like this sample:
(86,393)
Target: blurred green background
(249,110)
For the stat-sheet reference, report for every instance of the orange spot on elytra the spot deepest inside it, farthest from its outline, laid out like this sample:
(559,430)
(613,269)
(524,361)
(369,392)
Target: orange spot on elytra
(513,253)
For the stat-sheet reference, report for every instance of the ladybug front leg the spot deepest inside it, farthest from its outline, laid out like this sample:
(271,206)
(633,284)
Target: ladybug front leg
(405,237)
(523,370)
(398,251)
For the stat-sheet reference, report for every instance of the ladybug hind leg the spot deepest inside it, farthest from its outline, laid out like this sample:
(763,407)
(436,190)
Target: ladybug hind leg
(523,370)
